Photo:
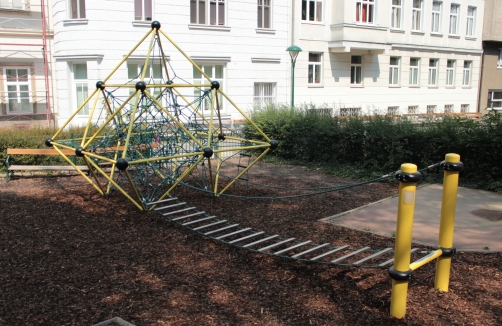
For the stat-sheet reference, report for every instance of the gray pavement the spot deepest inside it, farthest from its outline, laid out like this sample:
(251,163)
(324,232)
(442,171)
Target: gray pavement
(478,218)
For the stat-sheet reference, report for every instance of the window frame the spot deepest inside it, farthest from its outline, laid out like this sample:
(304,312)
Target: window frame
(25,5)
(263,14)
(431,109)
(491,93)
(433,73)
(394,80)
(261,100)
(471,22)
(207,12)
(143,17)
(306,12)
(312,69)
(436,28)
(456,20)
(355,68)
(80,5)
(414,71)
(83,112)
(415,11)
(396,15)
(370,14)
(450,73)
(18,91)
(467,74)
(449,108)
(203,80)
(499,61)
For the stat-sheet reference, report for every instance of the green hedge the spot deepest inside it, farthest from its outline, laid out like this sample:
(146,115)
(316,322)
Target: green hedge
(378,144)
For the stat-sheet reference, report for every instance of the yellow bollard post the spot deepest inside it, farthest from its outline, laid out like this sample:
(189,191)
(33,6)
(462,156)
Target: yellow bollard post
(401,272)
(452,167)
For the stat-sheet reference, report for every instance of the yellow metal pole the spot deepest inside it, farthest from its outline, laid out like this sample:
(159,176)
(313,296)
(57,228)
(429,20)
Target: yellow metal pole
(452,167)
(401,272)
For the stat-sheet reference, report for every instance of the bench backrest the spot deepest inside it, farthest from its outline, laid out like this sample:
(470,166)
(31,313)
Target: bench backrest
(38,151)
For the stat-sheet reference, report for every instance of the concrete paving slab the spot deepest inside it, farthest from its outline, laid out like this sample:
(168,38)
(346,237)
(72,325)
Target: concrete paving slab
(478,219)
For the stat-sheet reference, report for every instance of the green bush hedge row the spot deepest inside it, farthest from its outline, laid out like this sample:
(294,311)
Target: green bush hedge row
(378,144)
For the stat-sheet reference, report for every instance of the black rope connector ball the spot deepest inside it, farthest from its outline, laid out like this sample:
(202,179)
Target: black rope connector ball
(215,85)
(273,144)
(408,177)
(140,86)
(78,151)
(100,84)
(48,142)
(400,276)
(448,252)
(121,134)
(221,136)
(155,24)
(122,164)
(208,152)
(450,166)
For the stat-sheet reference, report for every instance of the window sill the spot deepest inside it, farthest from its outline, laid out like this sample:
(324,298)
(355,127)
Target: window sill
(454,36)
(210,27)
(75,22)
(432,87)
(450,87)
(471,38)
(16,11)
(414,86)
(436,35)
(312,23)
(417,33)
(141,23)
(394,86)
(356,86)
(396,30)
(466,87)
(265,31)
(315,86)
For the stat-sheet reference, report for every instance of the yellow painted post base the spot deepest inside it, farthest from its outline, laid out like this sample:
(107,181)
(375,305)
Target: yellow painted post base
(442,279)
(398,298)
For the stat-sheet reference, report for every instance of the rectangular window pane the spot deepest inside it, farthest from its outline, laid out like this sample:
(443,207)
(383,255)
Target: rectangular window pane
(266,17)
(356,59)
(80,71)
(318,16)
(148,10)
(74,9)
(17,4)
(221,13)
(82,9)
(202,11)
(311,10)
(304,9)
(218,71)
(196,73)
(138,9)
(193,12)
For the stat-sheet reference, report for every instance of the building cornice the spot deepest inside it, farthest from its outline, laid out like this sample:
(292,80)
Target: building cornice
(79,57)
(415,47)
(265,60)
(210,59)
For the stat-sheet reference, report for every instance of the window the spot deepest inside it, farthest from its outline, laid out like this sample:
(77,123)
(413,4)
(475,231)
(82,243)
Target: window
(356,70)
(436,16)
(393,110)
(471,16)
(466,79)
(416,19)
(394,71)
(264,94)
(431,109)
(450,72)
(18,90)
(143,10)
(464,108)
(454,12)
(448,108)
(315,65)
(153,75)
(345,112)
(14,4)
(204,11)
(413,109)
(433,72)
(499,62)
(365,11)
(414,71)
(495,100)
(397,8)
(312,10)
(77,9)
(216,73)
(80,86)
(264,14)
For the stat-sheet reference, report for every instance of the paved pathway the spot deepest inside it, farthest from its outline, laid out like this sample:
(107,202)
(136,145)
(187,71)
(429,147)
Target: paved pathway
(473,228)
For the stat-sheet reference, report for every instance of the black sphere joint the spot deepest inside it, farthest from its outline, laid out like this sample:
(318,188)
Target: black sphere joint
(100,85)
(48,142)
(273,144)
(122,164)
(121,134)
(140,86)
(215,85)
(208,152)
(78,151)
(155,24)
(221,136)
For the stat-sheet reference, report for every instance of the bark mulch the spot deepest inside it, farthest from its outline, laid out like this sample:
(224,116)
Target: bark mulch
(71,257)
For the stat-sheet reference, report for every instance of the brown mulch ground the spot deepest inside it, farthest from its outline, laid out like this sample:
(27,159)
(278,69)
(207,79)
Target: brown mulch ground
(71,257)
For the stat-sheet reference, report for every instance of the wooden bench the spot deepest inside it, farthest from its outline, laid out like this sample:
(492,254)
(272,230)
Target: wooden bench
(38,151)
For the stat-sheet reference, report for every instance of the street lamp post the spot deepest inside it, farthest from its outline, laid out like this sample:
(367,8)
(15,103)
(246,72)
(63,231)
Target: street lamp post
(293,53)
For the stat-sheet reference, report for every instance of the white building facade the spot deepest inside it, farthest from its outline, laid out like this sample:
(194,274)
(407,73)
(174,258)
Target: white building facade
(388,56)
(242,44)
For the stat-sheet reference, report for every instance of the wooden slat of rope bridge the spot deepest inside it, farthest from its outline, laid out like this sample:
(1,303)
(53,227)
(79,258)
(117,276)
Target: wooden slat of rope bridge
(274,245)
